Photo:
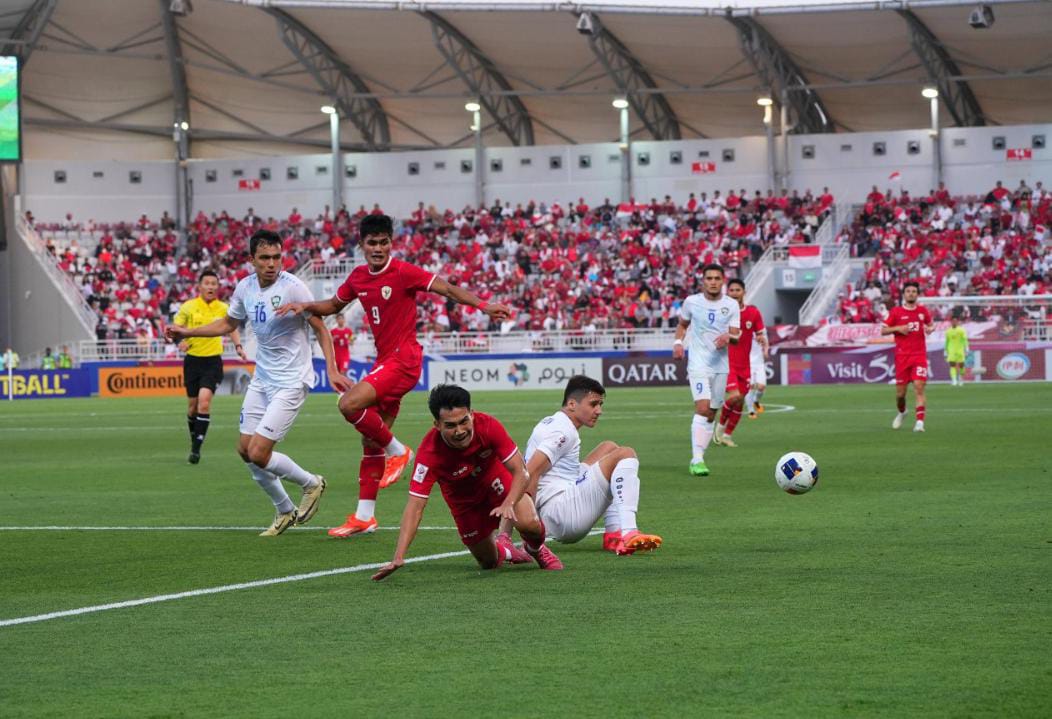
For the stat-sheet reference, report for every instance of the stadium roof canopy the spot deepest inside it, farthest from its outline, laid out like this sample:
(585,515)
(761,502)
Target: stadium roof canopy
(249,76)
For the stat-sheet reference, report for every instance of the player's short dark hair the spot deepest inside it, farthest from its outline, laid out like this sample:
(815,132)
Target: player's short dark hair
(712,266)
(447,396)
(263,237)
(736,281)
(207,273)
(580,386)
(911,283)
(376,225)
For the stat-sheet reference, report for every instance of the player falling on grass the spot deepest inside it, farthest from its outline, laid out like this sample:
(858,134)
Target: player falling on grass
(203,363)
(757,376)
(956,350)
(739,354)
(387,289)
(482,477)
(911,324)
(572,495)
(283,376)
(714,322)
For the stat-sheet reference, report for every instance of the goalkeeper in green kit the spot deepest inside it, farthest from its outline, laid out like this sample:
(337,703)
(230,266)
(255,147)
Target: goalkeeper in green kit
(955,351)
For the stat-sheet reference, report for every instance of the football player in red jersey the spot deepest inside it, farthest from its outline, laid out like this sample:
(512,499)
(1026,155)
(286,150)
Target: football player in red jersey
(342,337)
(738,354)
(387,289)
(911,324)
(480,471)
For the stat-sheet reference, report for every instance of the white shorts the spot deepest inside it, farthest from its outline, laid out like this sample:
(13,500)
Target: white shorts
(570,515)
(712,387)
(270,411)
(758,372)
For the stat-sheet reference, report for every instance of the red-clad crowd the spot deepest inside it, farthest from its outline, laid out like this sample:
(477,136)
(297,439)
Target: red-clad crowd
(995,244)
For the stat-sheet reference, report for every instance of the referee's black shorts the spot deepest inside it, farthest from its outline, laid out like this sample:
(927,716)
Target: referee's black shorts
(202,373)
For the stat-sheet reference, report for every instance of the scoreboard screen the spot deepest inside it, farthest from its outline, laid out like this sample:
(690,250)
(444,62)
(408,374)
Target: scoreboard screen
(10,115)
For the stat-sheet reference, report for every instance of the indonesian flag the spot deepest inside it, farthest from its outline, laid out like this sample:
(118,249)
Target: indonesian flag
(805,257)
(895,176)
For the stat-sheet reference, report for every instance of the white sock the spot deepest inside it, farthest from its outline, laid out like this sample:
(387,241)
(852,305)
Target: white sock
(612,519)
(394,448)
(758,395)
(700,436)
(272,486)
(624,485)
(750,401)
(366,508)
(282,466)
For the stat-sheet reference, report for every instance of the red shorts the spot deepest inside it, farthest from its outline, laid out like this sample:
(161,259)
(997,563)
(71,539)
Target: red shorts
(472,514)
(392,381)
(738,380)
(911,368)
(343,362)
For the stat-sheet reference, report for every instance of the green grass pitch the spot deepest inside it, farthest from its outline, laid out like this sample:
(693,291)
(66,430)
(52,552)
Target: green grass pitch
(915,580)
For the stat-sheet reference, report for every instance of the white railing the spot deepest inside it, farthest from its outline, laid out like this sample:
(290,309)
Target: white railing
(63,283)
(835,271)
(134,350)
(331,270)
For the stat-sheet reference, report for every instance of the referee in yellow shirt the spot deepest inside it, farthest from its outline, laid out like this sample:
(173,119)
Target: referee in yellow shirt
(203,363)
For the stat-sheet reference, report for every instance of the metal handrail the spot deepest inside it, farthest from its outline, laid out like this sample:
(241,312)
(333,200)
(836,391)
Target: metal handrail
(833,277)
(63,282)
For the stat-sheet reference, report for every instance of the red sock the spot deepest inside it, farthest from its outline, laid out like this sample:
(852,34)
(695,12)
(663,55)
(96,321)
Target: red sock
(533,542)
(901,404)
(369,473)
(920,413)
(369,423)
(732,419)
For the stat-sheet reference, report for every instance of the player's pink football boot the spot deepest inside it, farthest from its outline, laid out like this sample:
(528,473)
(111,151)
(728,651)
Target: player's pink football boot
(636,541)
(352,526)
(546,559)
(611,541)
(395,467)
(510,552)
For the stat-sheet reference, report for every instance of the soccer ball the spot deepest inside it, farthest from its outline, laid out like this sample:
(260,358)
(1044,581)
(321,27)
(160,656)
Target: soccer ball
(796,473)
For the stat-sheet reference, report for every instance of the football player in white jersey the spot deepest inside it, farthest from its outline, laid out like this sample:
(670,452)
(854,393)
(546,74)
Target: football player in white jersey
(758,377)
(572,495)
(713,321)
(283,376)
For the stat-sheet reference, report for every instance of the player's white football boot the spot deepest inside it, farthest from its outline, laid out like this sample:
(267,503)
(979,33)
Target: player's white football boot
(717,436)
(282,521)
(728,442)
(897,422)
(310,501)
(919,427)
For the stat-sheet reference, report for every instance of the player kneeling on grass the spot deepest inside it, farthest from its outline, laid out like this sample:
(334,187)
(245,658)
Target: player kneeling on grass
(573,495)
(481,472)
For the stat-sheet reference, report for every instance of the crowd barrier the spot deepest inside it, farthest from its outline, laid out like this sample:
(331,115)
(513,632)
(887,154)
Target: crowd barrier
(866,364)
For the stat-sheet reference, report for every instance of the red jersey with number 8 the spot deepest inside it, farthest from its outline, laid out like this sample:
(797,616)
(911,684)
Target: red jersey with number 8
(389,300)
(914,342)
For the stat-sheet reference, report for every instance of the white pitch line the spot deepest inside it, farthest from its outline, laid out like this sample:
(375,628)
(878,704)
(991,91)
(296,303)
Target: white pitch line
(56,528)
(219,590)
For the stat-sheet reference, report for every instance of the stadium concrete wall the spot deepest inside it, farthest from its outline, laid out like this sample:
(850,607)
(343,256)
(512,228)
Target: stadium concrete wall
(848,163)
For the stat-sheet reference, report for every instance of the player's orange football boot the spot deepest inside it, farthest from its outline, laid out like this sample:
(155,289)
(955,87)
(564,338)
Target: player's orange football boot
(546,559)
(636,541)
(611,541)
(395,467)
(511,553)
(759,408)
(352,526)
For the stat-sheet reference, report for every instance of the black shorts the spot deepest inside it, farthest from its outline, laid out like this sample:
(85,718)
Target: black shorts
(202,373)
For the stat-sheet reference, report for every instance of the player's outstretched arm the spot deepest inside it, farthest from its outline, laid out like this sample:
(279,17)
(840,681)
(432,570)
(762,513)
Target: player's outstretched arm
(319,308)
(539,464)
(461,296)
(411,516)
(677,344)
(339,383)
(218,328)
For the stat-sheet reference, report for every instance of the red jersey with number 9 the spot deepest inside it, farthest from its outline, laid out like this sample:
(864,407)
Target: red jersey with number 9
(465,475)
(389,300)
(913,342)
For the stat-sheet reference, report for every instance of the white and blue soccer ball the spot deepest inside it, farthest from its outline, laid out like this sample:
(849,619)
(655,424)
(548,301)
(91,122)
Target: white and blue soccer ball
(796,473)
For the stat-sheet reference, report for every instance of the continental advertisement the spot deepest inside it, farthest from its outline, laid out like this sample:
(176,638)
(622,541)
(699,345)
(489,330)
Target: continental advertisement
(166,380)
(46,384)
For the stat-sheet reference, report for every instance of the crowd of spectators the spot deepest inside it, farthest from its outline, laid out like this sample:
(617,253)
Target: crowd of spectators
(993,244)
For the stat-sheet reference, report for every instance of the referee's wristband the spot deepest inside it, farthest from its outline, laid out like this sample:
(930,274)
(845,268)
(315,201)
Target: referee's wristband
(677,342)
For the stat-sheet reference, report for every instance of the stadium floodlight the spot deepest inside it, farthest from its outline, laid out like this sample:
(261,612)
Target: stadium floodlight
(472,107)
(930,93)
(328,109)
(620,103)
(184,125)
(180,7)
(764,101)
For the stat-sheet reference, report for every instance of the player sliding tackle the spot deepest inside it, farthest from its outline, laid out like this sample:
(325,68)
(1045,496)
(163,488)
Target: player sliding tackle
(483,479)
(714,321)
(283,377)
(572,495)
(387,290)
